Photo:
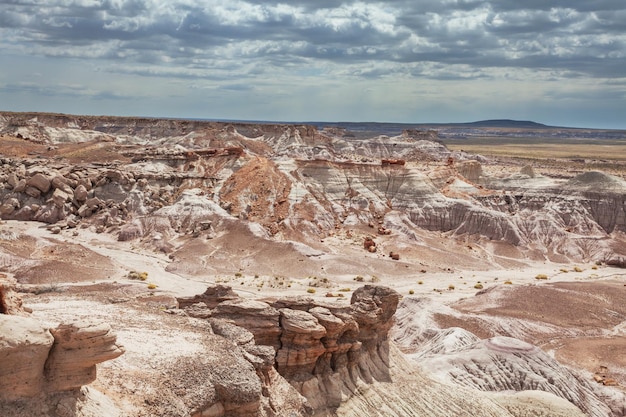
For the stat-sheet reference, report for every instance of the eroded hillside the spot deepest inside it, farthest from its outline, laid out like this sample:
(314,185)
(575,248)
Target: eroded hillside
(128,220)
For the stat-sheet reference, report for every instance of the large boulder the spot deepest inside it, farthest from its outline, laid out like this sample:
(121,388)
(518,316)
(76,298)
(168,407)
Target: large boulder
(40,182)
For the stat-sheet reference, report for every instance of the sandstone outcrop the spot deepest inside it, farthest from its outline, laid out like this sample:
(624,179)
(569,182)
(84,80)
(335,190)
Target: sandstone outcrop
(77,348)
(36,362)
(325,351)
(24,350)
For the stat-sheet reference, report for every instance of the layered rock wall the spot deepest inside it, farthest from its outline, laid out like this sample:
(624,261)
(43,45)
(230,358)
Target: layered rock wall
(324,350)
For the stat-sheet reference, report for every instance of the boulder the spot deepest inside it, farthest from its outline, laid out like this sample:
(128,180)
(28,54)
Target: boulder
(12,180)
(40,182)
(20,186)
(80,193)
(130,231)
(6,209)
(60,197)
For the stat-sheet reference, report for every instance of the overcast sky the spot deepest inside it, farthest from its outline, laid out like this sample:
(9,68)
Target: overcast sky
(559,62)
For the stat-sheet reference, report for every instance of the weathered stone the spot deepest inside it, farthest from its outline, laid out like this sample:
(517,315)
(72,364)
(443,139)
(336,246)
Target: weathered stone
(80,193)
(94,203)
(32,192)
(12,180)
(20,186)
(6,209)
(62,184)
(85,211)
(60,197)
(40,182)
(77,348)
(258,317)
(300,343)
(373,308)
(213,296)
(130,231)
(24,347)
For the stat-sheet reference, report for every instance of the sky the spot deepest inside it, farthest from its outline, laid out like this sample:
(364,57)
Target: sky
(558,62)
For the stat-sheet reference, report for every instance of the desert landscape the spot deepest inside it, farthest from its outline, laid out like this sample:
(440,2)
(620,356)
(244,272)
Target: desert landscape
(171,267)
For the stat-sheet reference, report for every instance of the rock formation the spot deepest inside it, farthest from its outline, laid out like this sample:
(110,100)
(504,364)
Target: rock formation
(322,349)
(294,181)
(36,362)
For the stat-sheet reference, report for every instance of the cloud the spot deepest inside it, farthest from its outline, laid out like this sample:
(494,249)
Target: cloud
(234,44)
(182,32)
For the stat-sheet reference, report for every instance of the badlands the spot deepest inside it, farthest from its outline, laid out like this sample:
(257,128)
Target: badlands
(153,267)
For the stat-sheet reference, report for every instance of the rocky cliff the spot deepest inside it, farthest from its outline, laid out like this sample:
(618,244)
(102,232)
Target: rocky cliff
(325,350)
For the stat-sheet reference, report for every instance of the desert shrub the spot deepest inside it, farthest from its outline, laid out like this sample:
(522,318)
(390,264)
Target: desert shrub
(508,282)
(411,292)
(420,282)
(137,275)
(152,286)
(375,279)
(311,290)
(238,274)
(344,289)
(478,286)
(541,276)
(565,270)
(578,269)
(451,287)
(358,278)
(594,267)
